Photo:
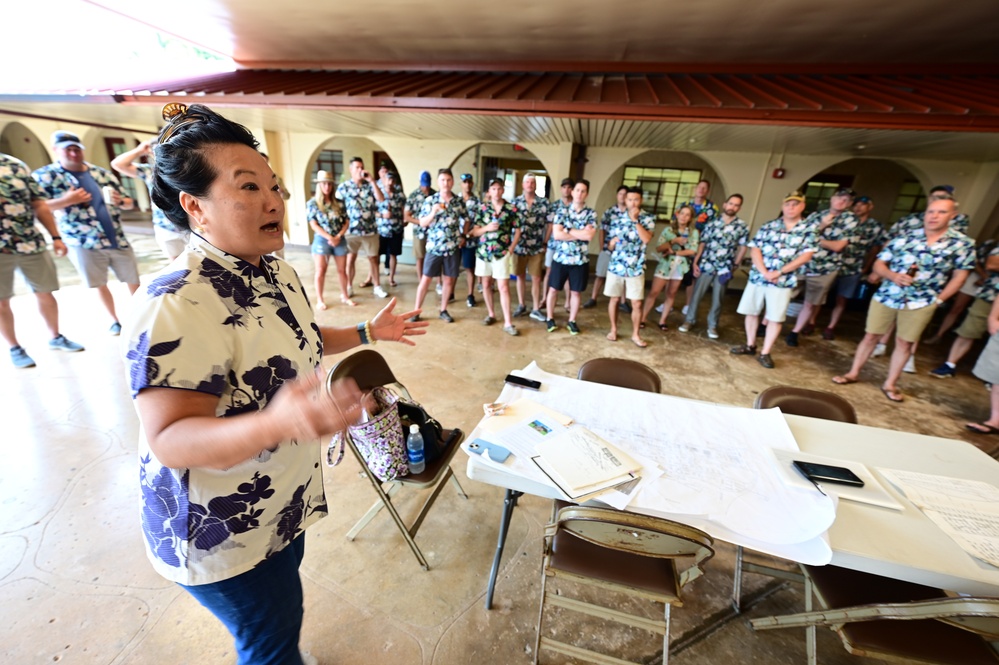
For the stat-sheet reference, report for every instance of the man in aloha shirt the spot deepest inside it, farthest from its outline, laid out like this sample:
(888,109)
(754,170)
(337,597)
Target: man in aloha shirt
(553,211)
(467,243)
(914,222)
(704,212)
(361,196)
(778,249)
(921,270)
(91,228)
(390,225)
(722,248)
(572,230)
(834,227)
(497,230)
(169,236)
(610,216)
(414,203)
(444,217)
(22,247)
(535,226)
(627,238)
(868,237)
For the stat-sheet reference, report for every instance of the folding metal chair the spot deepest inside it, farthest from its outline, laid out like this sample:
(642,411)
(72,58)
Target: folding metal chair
(369,369)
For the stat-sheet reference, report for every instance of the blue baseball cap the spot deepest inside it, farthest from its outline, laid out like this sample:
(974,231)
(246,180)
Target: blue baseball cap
(425,179)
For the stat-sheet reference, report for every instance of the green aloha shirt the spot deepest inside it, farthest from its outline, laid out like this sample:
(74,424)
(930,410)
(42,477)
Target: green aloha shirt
(533,223)
(496,244)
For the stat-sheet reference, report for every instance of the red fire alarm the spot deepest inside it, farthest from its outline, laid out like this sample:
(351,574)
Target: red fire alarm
(779,173)
(519,148)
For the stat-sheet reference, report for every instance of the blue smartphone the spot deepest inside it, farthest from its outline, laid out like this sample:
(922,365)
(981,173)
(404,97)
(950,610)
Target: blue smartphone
(496,453)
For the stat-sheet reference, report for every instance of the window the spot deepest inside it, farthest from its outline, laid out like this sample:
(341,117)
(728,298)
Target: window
(662,188)
(911,198)
(820,189)
(115,147)
(330,161)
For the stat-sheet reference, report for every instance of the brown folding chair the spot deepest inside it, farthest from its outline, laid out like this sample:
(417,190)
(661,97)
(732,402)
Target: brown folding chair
(369,369)
(880,617)
(797,402)
(619,552)
(622,373)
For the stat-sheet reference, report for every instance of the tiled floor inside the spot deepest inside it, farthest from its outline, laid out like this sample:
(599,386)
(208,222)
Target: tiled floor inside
(76,586)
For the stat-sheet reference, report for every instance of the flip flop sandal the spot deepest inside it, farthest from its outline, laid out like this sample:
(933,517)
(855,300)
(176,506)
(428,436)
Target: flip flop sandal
(986,429)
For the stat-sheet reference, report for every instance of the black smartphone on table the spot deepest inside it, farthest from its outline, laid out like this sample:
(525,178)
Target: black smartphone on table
(826,473)
(530,384)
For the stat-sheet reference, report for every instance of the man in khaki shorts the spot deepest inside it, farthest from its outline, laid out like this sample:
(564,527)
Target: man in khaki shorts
(497,229)
(921,270)
(360,198)
(778,249)
(975,323)
(627,237)
(529,251)
(410,213)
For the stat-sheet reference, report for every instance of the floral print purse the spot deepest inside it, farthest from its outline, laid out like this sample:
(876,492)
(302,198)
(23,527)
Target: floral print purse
(380,440)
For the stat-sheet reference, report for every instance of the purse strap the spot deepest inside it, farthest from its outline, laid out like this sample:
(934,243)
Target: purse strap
(333,445)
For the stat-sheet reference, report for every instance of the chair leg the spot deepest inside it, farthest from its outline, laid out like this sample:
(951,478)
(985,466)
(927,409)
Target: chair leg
(737,581)
(406,533)
(372,511)
(541,612)
(457,486)
(429,503)
(666,637)
(810,645)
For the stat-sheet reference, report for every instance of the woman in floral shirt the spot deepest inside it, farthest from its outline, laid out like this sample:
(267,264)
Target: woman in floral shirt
(676,248)
(223,357)
(325,215)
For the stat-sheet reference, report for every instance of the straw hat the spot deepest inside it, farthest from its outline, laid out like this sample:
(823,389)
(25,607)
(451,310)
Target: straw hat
(324,176)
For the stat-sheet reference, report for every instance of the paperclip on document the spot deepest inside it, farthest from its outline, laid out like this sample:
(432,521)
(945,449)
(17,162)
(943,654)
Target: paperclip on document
(496,453)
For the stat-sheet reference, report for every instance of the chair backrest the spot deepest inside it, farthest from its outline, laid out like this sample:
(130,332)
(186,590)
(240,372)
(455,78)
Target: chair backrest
(622,373)
(367,367)
(637,534)
(805,402)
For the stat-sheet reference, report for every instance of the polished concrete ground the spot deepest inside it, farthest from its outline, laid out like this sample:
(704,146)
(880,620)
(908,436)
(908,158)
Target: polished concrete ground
(76,587)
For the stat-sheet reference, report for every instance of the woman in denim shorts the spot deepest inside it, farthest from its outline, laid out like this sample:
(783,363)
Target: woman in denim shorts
(325,215)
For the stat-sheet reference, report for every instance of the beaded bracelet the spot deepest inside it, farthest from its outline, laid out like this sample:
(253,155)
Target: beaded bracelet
(364,332)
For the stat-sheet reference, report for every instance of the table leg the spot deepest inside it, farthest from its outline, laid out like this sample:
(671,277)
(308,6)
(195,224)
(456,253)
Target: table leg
(509,503)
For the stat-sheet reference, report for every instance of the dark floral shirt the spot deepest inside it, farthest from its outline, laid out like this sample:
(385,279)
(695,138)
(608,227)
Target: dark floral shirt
(447,226)
(394,202)
(627,259)
(327,219)
(495,244)
(866,234)
(721,244)
(934,266)
(780,247)
(534,222)
(212,323)
(79,225)
(361,206)
(825,261)
(414,203)
(18,233)
(573,252)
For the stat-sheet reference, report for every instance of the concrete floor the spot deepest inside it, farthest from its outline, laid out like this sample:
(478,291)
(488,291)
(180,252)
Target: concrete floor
(77,588)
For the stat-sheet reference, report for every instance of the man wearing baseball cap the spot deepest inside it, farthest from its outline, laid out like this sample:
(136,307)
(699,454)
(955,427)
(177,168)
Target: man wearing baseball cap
(778,249)
(87,201)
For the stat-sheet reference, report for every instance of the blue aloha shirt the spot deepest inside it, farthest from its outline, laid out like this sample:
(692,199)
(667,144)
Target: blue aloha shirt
(703,213)
(610,216)
(554,210)
(473,208)
(415,204)
(989,288)
(79,225)
(493,245)
(159,217)
(446,228)
(213,323)
(394,202)
(667,263)
(914,222)
(627,259)
(721,243)
(361,205)
(533,224)
(826,261)
(18,233)
(328,220)
(868,233)
(573,252)
(953,251)
(779,247)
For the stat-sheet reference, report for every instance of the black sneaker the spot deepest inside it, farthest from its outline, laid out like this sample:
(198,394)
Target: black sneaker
(573,328)
(414,319)
(470,301)
(791,339)
(589,304)
(446,317)
(743,350)
(765,360)
(625,306)
(552,327)
(520,311)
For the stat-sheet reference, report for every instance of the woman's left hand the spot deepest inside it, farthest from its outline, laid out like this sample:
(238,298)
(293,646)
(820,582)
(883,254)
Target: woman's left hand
(390,327)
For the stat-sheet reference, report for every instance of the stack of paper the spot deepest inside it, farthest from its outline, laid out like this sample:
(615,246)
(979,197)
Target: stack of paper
(581,463)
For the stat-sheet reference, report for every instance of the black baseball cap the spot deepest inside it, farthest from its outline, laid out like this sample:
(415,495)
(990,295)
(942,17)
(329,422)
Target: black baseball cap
(845,191)
(568,181)
(863,199)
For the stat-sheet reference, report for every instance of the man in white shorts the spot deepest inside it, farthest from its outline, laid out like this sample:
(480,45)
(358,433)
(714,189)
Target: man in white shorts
(619,209)
(497,229)
(778,249)
(87,201)
(360,198)
(627,238)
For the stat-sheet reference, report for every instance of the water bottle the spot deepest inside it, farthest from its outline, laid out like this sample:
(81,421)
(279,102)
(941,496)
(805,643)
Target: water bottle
(414,447)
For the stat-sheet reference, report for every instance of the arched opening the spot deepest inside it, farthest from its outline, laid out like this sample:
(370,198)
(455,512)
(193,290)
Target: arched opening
(895,190)
(508,162)
(668,179)
(18,141)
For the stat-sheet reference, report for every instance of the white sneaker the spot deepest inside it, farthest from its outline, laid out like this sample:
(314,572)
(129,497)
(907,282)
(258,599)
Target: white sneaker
(440,290)
(910,365)
(684,327)
(380,292)
(684,310)
(350,290)
(660,307)
(712,333)
(879,350)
